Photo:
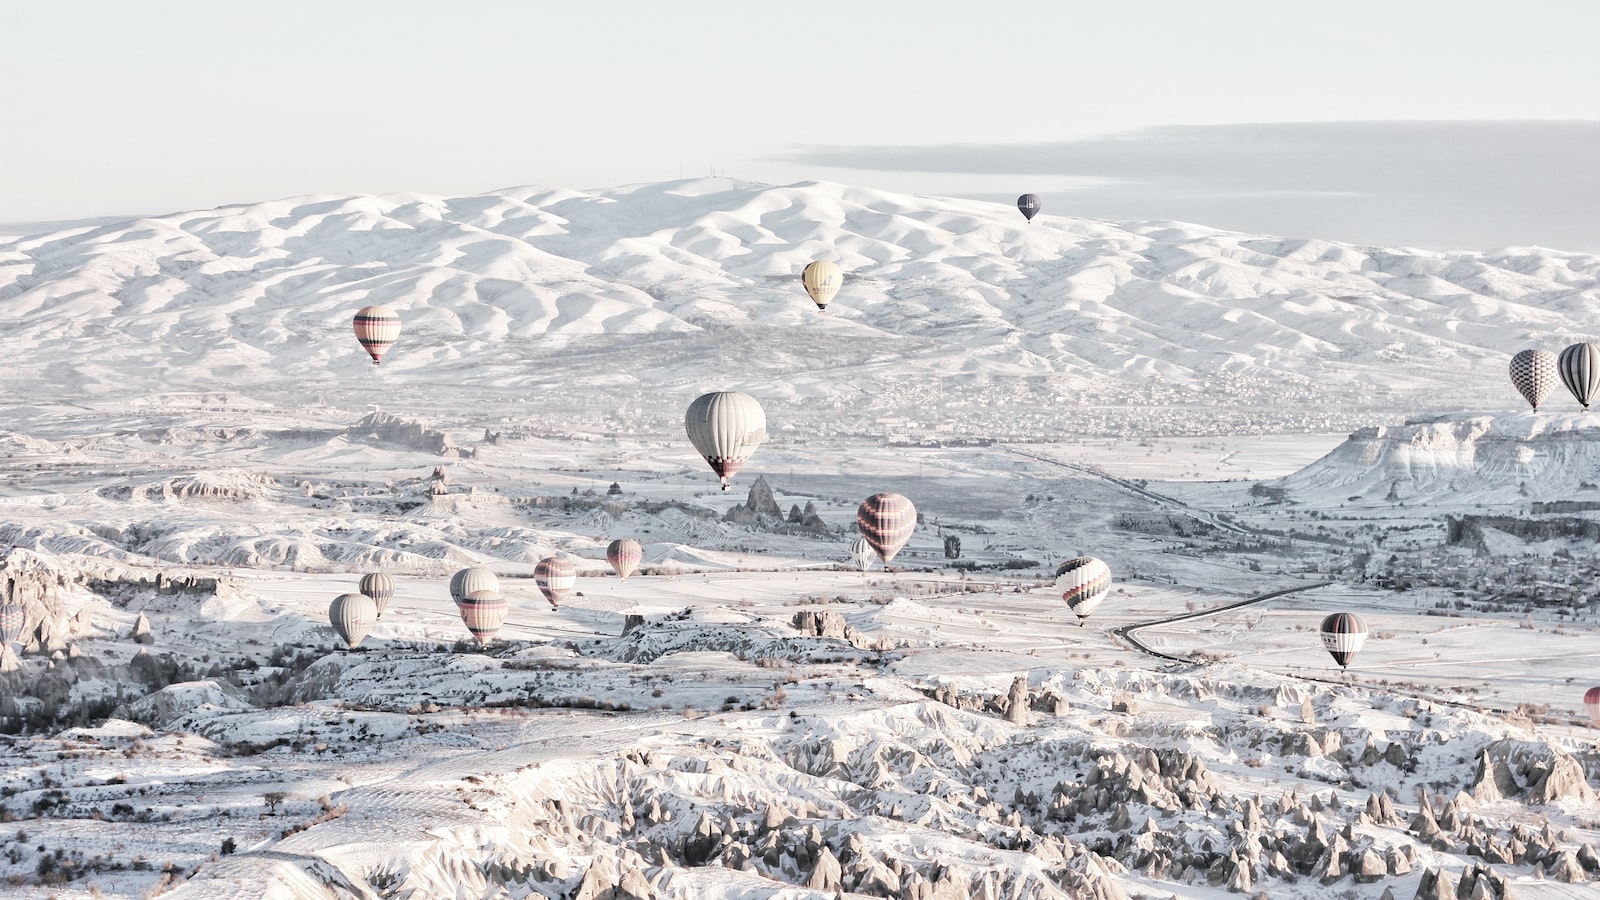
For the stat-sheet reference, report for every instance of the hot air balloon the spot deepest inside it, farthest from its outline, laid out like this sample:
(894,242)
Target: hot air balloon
(377,328)
(1342,635)
(466,581)
(380,588)
(1580,371)
(352,616)
(483,612)
(1029,205)
(1591,705)
(555,576)
(1083,583)
(822,280)
(726,427)
(1535,373)
(862,554)
(624,554)
(886,522)
(12,618)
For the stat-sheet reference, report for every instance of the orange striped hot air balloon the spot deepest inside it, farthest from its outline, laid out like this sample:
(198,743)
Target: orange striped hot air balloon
(377,328)
(886,521)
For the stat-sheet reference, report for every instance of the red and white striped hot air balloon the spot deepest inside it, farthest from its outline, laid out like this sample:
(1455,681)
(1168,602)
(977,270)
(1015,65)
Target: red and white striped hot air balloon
(12,617)
(1591,705)
(1083,583)
(886,521)
(555,576)
(377,328)
(624,554)
(483,612)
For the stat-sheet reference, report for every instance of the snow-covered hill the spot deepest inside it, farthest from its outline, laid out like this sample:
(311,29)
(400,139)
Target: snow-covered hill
(957,309)
(1460,459)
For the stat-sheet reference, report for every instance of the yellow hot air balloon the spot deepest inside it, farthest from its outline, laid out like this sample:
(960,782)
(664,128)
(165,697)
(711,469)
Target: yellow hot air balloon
(822,280)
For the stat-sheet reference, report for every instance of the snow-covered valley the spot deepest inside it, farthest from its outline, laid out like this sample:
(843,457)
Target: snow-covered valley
(198,458)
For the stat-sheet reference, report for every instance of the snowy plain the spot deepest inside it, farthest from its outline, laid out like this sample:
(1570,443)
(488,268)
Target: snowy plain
(1218,416)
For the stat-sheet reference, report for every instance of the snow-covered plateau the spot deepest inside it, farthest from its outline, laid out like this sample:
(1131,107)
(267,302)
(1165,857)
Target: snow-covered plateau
(1252,432)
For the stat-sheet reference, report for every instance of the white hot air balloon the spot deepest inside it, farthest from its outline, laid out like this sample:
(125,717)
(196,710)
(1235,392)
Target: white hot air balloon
(468,581)
(862,554)
(726,427)
(822,280)
(352,616)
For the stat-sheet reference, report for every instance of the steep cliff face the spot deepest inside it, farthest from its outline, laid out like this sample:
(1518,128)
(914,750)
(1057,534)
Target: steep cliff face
(1540,457)
(391,430)
(28,579)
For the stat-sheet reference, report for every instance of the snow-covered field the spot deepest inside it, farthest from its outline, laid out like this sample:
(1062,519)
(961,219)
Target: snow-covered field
(197,452)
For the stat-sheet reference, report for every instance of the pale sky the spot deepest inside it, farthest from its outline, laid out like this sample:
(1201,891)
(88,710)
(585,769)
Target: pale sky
(121,108)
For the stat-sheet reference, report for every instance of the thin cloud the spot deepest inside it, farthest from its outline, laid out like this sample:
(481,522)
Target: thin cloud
(1460,185)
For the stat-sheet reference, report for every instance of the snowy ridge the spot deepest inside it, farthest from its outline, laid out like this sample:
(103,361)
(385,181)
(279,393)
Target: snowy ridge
(1540,456)
(638,289)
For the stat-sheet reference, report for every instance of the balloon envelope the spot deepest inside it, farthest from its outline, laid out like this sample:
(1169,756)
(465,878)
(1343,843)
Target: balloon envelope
(466,581)
(483,612)
(1535,373)
(822,280)
(12,617)
(555,576)
(1591,705)
(377,328)
(380,588)
(1083,583)
(624,554)
(1342,636)
(886,522)
(1029,205)
(862,554)
(1580,371)
(352,616)
(726,427)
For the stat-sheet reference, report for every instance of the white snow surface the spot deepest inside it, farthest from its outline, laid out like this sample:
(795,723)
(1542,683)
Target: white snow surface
(194,439)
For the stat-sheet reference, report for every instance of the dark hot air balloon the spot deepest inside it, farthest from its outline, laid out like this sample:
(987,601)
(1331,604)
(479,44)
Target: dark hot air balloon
(1083,583)
(1029,205)
(1534,373)
(1342,636)
(1580,371)
(886,521)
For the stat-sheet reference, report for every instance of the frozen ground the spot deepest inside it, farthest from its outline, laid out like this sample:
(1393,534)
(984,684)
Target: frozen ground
(192,442)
